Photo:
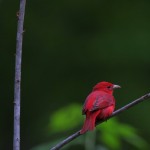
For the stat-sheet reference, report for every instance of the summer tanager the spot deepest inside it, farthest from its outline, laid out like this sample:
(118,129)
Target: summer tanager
(99,104)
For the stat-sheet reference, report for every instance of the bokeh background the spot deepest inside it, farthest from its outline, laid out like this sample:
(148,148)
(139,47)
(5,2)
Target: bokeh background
(68,47)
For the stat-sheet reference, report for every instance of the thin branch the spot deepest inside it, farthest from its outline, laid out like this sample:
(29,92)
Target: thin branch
(77,134)
(17,83)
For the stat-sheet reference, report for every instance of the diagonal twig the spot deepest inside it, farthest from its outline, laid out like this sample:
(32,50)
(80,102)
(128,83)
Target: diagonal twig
(17,83)
(77,134)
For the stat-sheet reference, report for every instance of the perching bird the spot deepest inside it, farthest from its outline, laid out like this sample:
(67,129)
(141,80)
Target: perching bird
(99,104)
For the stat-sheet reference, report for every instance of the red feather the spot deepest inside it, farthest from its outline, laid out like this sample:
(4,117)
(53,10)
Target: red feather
(99,104)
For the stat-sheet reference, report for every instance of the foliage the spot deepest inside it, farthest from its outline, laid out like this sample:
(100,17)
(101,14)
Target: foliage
(111,134)
(66,118)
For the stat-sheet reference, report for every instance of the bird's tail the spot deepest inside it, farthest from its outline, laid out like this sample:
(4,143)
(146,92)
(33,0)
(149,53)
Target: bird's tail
(89,123)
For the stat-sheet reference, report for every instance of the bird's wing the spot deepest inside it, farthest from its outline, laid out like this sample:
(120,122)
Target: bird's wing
(96,101)
(102,102)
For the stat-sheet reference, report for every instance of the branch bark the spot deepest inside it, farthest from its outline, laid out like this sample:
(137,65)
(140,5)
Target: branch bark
(77,134)
(17,83)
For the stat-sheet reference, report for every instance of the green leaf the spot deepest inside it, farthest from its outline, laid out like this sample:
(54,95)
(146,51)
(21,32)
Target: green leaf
(137,141)
(111,140)
(113,131)
(66,118)
(109,135)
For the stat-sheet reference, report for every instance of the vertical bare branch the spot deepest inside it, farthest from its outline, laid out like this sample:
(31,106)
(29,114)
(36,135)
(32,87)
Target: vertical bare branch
(17,84)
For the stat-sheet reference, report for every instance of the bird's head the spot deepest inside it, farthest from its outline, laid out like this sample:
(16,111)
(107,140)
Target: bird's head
(105,86)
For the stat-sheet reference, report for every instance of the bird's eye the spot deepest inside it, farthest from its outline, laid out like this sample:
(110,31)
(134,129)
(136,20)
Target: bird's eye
(108,87)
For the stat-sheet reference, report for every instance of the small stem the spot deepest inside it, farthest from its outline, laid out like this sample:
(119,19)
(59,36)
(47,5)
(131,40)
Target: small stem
(90,141)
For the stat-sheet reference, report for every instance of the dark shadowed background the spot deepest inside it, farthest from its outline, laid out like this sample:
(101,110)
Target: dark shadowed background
(68,47)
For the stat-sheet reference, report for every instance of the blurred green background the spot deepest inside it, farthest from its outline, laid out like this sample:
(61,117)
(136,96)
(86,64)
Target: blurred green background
(68,47)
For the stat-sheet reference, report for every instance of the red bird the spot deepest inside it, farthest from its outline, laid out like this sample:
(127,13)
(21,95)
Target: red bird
(99,104)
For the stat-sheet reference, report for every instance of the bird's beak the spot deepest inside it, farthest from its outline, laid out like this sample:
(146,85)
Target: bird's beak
(116,86)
